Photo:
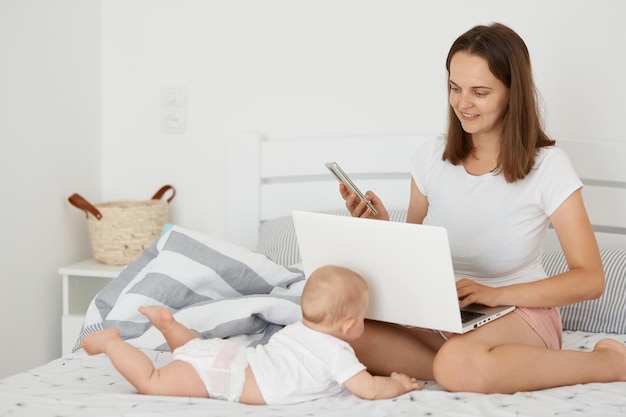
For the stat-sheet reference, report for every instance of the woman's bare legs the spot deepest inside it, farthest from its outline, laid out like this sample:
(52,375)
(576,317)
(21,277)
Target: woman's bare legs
(507,356)
(387,347)
(177,378)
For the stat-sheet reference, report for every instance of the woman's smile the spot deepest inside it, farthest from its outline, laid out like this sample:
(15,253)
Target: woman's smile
(478,98)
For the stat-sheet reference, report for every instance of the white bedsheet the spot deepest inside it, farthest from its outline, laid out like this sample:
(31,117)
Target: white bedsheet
(81,385)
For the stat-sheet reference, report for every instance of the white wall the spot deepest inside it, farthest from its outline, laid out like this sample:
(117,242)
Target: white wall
(308,67)
(283,67)
(50,135)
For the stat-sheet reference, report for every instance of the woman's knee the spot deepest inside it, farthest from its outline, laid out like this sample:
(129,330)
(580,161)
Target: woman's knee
(458,367)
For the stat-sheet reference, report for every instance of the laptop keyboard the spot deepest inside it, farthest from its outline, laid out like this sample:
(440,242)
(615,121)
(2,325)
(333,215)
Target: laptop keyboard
(469,315)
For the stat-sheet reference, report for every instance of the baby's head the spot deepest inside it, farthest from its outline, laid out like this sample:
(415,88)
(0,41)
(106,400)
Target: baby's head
(332,295)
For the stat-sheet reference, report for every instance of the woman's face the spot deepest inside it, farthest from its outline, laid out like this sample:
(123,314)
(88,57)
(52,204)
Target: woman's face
(477,97)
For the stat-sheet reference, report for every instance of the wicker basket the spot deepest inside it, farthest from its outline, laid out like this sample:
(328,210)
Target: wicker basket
(121,230)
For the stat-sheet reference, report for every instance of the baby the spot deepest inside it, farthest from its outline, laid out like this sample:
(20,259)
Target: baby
(306,360)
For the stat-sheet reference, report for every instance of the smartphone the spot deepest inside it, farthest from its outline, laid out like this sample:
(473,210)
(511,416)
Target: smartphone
(343,178)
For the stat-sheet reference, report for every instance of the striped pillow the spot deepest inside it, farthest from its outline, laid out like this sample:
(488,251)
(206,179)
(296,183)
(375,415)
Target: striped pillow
(606,314)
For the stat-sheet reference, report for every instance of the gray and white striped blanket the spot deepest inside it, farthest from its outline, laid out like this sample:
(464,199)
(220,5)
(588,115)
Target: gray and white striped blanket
(213,287)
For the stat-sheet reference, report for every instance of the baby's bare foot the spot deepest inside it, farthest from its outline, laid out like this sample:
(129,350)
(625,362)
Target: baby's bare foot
(159,316)
(95,343)
(618,349)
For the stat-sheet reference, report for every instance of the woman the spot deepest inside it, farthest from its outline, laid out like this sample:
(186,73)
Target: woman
(495,182)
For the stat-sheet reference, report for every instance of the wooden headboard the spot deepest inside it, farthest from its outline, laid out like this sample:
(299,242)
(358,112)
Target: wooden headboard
(270,177)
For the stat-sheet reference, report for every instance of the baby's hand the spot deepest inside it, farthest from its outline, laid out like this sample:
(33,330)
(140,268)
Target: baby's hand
(408,383)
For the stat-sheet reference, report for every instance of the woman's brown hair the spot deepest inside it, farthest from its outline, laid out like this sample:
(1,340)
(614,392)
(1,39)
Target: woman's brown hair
(522,135)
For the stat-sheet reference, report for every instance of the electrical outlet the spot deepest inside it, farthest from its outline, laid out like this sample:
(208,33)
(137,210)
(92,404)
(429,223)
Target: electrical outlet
(173,108)
(173,121)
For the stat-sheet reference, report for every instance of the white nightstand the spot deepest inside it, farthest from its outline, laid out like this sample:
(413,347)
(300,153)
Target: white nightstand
(81,282)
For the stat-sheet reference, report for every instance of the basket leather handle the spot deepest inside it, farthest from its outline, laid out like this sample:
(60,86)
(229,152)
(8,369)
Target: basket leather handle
(79,202)
(159,194)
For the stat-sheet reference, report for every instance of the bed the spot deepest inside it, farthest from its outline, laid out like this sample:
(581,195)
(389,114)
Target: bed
(249,286)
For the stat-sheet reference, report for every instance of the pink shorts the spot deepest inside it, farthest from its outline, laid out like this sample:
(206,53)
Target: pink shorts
(546,322)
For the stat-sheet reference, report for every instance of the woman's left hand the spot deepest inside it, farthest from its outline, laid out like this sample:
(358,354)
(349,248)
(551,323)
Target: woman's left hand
(470,292)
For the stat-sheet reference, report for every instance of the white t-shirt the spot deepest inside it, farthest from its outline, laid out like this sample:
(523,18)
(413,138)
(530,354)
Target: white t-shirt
(496,229)
(301,364)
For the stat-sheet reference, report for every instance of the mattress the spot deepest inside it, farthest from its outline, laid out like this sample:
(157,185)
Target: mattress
(81,385)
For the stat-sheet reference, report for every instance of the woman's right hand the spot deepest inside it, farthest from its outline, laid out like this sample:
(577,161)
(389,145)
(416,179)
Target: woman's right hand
(359,208)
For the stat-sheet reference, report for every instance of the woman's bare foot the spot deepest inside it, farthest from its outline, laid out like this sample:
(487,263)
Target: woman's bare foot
(95,343)
(618,349)
(159,316)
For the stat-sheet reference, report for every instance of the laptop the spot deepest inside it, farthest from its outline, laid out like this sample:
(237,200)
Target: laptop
(408,269)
